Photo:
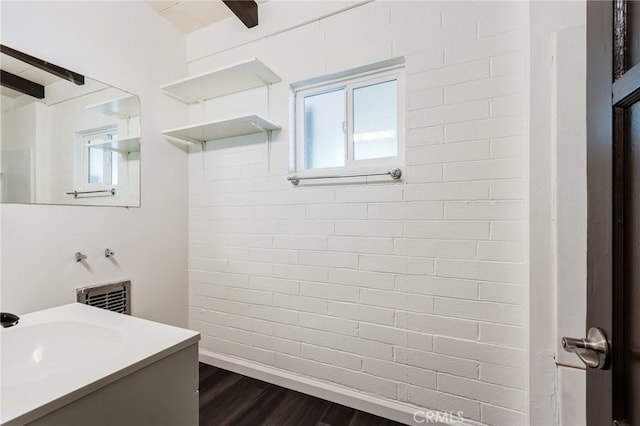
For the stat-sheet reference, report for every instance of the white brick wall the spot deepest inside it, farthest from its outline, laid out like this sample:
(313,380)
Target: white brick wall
(415,290)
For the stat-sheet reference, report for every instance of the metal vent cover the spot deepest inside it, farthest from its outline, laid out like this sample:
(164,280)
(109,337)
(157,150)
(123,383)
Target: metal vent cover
(114,297)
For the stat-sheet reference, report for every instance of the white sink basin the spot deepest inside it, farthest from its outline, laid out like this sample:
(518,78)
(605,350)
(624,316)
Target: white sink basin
(36,352)
(56,356)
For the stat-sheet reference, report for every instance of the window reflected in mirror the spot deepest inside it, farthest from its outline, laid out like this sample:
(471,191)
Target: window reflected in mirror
(66,138)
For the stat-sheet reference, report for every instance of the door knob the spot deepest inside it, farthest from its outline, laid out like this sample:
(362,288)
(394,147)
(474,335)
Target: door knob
(593,351)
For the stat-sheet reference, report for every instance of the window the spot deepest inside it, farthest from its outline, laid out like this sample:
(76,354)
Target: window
(101,162)
(355,121)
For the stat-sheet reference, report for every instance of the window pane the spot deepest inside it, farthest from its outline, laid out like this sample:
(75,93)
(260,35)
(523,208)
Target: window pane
(323,135)
(375,121)
(96,164)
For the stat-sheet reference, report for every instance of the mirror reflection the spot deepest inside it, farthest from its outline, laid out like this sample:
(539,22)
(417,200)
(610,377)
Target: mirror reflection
(65,138)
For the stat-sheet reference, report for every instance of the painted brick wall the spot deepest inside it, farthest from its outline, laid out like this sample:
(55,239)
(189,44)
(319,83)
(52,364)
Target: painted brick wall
(415,291)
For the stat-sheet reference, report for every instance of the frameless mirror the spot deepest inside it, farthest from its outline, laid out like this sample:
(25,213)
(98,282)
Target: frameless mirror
(65,138)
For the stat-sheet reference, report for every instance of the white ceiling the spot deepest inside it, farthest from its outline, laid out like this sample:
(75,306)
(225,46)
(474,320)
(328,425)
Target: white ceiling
(191,15)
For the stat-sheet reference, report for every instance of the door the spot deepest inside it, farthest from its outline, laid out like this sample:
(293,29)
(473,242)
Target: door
(613,241)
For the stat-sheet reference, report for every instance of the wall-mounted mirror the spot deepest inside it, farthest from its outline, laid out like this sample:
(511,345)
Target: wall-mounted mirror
(65,138)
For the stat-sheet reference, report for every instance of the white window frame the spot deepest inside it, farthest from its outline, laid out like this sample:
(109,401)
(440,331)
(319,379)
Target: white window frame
(349,83)
(85,137)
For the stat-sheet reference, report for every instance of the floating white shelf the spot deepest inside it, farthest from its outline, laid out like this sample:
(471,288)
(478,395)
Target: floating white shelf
(125,107)
(213,130)
(223,81)
(124,145)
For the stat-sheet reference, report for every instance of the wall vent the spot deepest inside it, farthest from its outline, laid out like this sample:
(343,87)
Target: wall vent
(114,297)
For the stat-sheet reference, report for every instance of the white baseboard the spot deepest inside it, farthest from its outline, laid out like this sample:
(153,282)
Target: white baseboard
(403,413)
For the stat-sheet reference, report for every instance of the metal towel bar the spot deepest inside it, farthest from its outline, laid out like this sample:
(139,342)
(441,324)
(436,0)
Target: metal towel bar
(75,194)
(395,174)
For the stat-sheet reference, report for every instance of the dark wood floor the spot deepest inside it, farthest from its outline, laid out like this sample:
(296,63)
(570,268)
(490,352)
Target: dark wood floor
(228,398)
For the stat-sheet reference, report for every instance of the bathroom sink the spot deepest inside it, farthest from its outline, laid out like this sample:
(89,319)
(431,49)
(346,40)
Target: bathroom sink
(58,356)
(38,351)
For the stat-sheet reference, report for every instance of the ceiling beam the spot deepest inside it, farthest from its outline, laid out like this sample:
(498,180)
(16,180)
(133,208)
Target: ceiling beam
(73,77)
(22,85)
(245,10)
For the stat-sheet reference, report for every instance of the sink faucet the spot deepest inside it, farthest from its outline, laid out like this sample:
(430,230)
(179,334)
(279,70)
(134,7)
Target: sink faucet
(8,320)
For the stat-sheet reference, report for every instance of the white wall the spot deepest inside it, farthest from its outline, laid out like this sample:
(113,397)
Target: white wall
(558,209)
(127,45)
(413,291)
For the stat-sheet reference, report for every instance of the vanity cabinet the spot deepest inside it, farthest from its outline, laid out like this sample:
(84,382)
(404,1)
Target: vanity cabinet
(78,365)
(163,393)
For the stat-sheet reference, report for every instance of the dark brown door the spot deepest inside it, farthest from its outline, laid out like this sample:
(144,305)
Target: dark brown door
(613,175)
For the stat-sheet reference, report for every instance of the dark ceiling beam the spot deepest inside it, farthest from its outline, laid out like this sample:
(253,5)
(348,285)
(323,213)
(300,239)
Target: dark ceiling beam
(73,77)
(22,85)
(245,10)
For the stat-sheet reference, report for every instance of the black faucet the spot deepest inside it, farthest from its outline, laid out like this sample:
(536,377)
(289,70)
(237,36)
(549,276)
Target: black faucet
(8,320)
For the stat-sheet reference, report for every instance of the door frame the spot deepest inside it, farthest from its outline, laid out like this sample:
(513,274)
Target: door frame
(611,87)
(599,199)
